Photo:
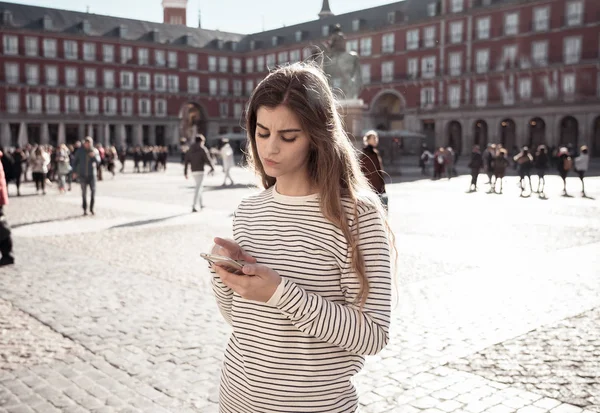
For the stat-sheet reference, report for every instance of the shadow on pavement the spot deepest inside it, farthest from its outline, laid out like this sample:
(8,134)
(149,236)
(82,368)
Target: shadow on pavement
(146,222)
(24,224)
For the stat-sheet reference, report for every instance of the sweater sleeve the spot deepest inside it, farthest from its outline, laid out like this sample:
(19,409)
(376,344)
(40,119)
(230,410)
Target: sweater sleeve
(361,331)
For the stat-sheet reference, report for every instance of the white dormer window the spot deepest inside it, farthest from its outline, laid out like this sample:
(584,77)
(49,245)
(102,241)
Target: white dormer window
(432,9)
(274,41)
(391,17)
(355,25)
(457,6)
(325,31)
(299,36)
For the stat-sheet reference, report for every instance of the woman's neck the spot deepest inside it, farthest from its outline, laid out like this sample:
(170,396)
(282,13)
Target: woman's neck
(295,186)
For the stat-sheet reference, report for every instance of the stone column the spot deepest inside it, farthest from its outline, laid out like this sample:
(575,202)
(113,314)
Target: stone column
(152,135)
(138,135)
(5,140)
(90,132)
(81,131)
(61,133)
(107,136)
(121,135)
(44,134)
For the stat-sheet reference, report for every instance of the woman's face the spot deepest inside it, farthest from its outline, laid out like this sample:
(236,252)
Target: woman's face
(373,140)
(283,146)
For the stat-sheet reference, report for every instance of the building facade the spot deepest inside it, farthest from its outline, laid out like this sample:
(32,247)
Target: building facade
(517,72)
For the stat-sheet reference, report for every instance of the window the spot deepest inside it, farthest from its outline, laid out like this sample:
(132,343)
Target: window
(159,58)
(282,57)
(72,104)
(192,61)
(11,45)
(50,48)
(387,43)
(351,46)
(33,74)
(413,68)
(90,77)
(212,87)
(568,83)
(574,13)
(224,63)
(160,82)
(427,97)
(109,79)
(193,84)
(482,61)
(143,57)
(173,59)
(13,102)
(260,64)
(412,39)
(52,104)
(71,76)
(108,53)
(481,94)
(237,65)
(126,54)
(89,52)
(456,30)
(144,107)
(31,46)
(483,28)
(432,9)
(510,55)
(457,6)
(224,109)
(91,105)
(249,65)
(12,73)
(274,41)
(325,31)
(249,87)
(110,105)
(454,96)
(298,36)
(430,36)
(212,64)
(51,75)
(126,106)
(237,87)
(540,53)
(70,49)
(511,24)
(455,64)
(295,56)
(355,25)
(365,46)
(143,81)
(270,61)
(160,107)
(387,71)
(173,83)
(365,71)
(126,80)
(34,103)
(525,88)
(572,50)
(237,110)
(428,67)
(224,87)
(541,22)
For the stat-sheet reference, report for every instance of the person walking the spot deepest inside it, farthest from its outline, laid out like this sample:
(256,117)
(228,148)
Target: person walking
(197,158)
(564,163)
(475,165)
(500,164)
(226,152)
(39,162)
(540,163)
(582,163)
(314,295)
(524,161)
(85,169)
(371,165)
(6,245)
(63,167)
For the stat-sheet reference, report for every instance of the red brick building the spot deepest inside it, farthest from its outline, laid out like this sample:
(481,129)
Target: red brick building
(460,71)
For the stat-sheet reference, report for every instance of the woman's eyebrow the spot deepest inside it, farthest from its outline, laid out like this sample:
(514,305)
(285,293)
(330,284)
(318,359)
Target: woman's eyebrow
(279,131)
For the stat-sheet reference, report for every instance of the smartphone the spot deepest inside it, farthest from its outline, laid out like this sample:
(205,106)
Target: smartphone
(229,264)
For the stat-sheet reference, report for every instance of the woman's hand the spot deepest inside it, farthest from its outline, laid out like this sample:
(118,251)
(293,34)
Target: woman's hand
(258,283)
(229,248)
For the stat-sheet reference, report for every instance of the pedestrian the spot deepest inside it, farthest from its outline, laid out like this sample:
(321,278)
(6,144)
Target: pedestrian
(5,231)
(500,164)
(425,160)
(110,157)
(314,297)
(371,165)
(85,169)
(475,165)
(488,160)
(39,162)
(63,166)
(20,159)
(449,161)
(439,163)
(582,163)
(564,163)
(541,165)
(524,161)
(228,160)
(197,158)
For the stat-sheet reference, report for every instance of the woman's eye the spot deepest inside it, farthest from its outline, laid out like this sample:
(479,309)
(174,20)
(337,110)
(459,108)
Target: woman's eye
(288,139)
(260,135)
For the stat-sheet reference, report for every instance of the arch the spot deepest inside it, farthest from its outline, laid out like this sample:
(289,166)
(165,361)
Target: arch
(537,133)
(387,110)
(192,120)
(384,92)
(508,137)
(569,132)
(596,137)
(480,133)
(454,136)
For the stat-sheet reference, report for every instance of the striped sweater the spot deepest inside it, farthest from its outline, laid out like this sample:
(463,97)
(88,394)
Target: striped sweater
(299,351)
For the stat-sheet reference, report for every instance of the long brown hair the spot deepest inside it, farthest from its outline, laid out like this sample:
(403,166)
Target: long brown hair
(333,163)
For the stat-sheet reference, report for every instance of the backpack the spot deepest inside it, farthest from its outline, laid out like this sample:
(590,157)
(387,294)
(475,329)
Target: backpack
(568,163)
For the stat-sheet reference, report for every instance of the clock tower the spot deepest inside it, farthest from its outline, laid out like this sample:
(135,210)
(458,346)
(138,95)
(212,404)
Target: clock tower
(174,11)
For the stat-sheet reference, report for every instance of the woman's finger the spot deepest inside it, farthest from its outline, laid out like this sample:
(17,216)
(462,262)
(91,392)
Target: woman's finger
(234,250)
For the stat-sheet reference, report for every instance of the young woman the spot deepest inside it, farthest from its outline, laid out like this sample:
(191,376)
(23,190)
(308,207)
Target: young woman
(64,167)
(314,297)
(371,165)
(541,165)
(582,162)
(39,162)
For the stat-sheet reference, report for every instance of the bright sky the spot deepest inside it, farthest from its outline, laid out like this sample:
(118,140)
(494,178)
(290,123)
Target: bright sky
(238,16)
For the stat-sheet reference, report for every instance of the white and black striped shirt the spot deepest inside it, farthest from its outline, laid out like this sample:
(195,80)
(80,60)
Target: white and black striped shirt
(298,352)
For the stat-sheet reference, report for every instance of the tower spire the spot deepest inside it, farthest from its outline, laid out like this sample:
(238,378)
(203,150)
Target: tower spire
(325,10)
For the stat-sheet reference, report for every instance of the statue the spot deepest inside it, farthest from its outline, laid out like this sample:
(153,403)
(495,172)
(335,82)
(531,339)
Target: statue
(341,67)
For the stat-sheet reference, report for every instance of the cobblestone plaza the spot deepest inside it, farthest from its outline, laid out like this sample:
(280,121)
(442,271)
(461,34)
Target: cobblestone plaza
(497,306)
